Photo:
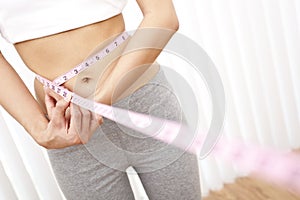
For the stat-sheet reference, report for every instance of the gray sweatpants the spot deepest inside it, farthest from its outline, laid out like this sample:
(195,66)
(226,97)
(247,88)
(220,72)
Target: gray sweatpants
(96,170)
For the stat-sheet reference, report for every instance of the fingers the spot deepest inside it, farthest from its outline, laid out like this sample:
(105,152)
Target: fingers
(83,122)
(51,99)
(58,113)
(52,94)
(68,116)
(88,126)
(95,122)
(50,104)
(75,121)
(97,118)
(69,123)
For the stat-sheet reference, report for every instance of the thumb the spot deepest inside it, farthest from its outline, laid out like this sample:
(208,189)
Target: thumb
(52,94)
(50,104)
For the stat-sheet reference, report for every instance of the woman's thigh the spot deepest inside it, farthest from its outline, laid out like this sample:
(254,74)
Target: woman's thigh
(83,174)
(176,181)
(166,171)
(97,169)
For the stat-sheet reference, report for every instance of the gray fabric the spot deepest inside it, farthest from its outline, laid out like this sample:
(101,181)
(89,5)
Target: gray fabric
(97,170)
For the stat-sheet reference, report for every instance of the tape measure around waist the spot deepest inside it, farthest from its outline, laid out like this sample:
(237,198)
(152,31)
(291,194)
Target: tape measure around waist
(280,167)
(275,166)
(91,60)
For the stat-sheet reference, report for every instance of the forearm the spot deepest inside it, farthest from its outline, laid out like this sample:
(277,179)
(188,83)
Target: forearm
(17,100)
(153,33)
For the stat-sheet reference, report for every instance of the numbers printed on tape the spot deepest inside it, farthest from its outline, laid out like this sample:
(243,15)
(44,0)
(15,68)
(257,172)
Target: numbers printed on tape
(82,66)
(229,150)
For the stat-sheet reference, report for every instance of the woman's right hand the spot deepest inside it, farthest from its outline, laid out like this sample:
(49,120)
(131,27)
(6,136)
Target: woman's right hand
(68,124)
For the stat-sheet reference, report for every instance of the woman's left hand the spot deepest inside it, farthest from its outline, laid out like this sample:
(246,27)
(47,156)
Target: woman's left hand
(68,123)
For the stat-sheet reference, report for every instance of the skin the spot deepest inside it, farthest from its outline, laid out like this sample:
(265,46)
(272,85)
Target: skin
(51,56)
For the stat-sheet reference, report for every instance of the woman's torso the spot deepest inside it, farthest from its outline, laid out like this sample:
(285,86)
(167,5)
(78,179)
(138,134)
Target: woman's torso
(53,55)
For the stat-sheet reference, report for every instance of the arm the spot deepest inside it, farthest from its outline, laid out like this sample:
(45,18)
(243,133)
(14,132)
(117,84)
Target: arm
(156,29)
(18,101)
(61,130)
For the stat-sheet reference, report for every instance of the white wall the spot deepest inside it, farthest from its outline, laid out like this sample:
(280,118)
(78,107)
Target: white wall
(255,46)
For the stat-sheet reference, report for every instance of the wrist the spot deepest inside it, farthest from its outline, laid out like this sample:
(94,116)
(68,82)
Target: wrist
(36,127)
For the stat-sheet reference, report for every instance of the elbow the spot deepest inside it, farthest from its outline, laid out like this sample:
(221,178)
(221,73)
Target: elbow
(170,20)
(172,23)
(165,21)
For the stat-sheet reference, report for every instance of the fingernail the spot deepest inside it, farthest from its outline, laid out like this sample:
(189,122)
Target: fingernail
(100,119)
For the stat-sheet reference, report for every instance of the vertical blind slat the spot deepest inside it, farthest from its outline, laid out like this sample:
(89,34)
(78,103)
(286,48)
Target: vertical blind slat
(234,70)
(211,43)
(14,166)
(291,32)
(252,76)
(6,189)
(281,66)
(265,67)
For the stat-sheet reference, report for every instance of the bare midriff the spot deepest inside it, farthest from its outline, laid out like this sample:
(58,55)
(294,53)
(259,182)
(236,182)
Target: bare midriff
(56,54)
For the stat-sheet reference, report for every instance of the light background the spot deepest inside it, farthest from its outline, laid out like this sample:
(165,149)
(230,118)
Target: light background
(255,45)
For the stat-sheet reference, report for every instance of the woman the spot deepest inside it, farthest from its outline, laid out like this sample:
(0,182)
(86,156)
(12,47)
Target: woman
(89,160)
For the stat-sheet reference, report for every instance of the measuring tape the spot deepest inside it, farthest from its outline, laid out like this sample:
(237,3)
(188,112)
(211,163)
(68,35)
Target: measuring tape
(91,60)
(279,167)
